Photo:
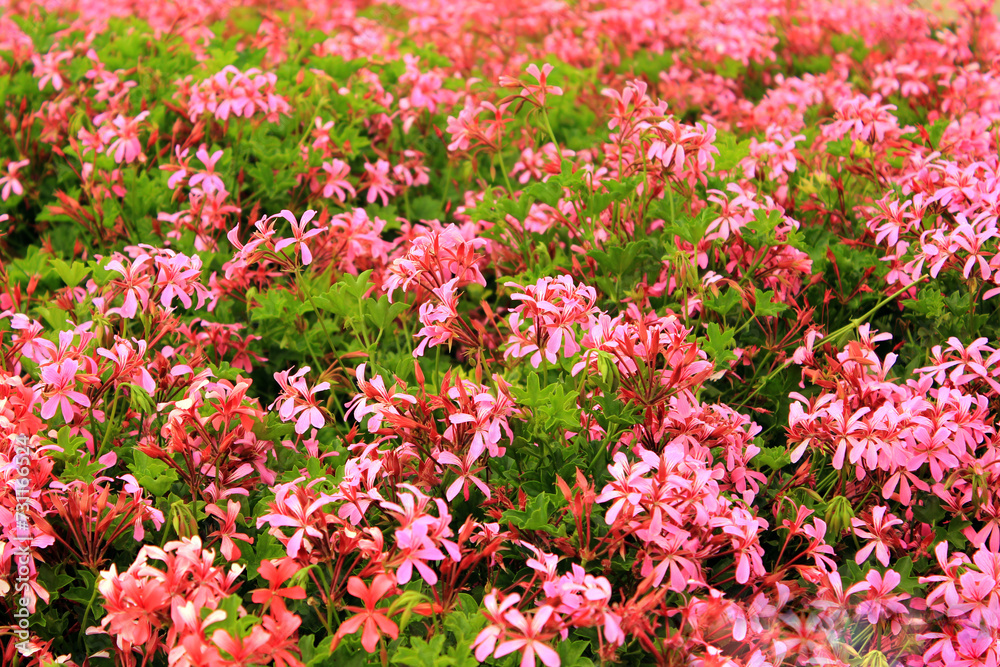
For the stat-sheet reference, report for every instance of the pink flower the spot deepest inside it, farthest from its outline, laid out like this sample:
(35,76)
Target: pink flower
(227,529)
(864,118)
(438,315)
(416,548)
(208,179)
(123,133)
(534,92)
(135,283)
(375,399)
(299,233)
(880,604)
(60,380)
(529,638)
(129,363)
(297,398)
(46,68)
(336,183)
(463,129)
(236,93)
(297,507)
(466,472)
(551,308)
(879,535)
(9,181)
(433,259)
(486,641)
(178,277)
(378,182)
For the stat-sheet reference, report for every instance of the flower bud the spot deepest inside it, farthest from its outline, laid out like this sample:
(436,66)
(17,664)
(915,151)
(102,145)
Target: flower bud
(874,659)
(839,513)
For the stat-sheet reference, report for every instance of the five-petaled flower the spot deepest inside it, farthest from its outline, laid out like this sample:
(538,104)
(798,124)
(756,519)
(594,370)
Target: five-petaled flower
(374,621)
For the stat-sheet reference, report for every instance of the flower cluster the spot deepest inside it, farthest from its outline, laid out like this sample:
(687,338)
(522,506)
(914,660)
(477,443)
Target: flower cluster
(551,333)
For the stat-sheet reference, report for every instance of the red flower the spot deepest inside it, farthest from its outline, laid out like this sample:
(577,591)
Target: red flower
(277,572)
(375,621)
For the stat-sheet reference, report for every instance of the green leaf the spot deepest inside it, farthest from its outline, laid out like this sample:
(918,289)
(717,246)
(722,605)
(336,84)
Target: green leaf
(936,131)
(731,151)
(841,147)
(536,514)
(140,400)
(70,274)
(272,428)
(719,344)
(759,232)
(929,302)
(69,444)
(81,467)
(724,302)
(904,568)
(153,475)
(765,305)
(356,286)
(32,264)
(315,655)
(381,314)
(691,229)
(82,590)
(271,305)
(774,458)
(427,208)
(464,626)
(547,192)
(929,511)
(422,653)
(618,261)
(850,43)
(571,653)
(553,407)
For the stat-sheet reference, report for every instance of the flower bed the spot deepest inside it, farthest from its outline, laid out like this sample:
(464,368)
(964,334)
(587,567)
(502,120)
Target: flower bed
(564,333)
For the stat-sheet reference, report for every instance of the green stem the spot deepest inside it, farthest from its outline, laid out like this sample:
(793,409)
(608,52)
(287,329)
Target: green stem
(834,338)
(107,422)
(308,295)
(552,135)
(86,612)
(767,379)
(503,170)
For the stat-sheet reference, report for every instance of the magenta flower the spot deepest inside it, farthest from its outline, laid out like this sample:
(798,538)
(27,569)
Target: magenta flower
(376,400)
(298,401)
(135,283)
(46,68)
(296,507)
(227,531)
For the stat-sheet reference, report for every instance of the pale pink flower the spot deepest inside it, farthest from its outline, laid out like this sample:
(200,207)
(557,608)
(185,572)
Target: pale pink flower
(9,182)
(60,383)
